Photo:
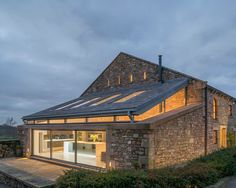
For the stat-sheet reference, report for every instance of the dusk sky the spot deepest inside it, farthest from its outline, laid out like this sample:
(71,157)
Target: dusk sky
(51,50)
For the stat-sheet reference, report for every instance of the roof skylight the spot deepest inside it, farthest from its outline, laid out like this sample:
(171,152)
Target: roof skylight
(62,107)
(105,100)
(130,96)
(86,102)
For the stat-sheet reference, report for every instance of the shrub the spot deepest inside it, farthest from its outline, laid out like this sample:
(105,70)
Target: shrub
(198,173)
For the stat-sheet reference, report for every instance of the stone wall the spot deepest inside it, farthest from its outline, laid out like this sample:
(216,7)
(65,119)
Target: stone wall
(23,134)
(177,140)
(124,65)
(223,118)
(9,148)
(129,148)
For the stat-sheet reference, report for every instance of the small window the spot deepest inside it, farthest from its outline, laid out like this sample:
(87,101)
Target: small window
(131,79)
(230,110)
(108,83)
(215,109)
(145,75)
(162,107)
(119,82)
(215,137)
(130,96)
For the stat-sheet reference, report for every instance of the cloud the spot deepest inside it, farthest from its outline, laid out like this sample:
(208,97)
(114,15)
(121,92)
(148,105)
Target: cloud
(50,51)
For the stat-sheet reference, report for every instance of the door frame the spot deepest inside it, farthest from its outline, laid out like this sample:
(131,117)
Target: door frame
(223,138)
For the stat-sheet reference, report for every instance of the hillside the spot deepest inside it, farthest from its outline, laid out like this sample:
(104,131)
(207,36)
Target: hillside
(7,132)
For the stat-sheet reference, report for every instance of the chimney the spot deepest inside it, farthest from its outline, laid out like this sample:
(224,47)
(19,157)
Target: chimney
(160,69)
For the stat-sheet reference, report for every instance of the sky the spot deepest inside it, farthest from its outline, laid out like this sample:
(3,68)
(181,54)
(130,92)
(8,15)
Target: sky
(50,51)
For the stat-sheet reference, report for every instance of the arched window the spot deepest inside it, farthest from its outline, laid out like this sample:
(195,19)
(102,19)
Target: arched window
(215,109)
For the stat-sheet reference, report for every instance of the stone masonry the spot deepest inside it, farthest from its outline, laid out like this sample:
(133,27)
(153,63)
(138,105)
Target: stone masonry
(122,67)
(129,148)
(177,140)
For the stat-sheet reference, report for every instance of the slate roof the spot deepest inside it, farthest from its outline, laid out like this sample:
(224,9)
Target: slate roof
(154,94)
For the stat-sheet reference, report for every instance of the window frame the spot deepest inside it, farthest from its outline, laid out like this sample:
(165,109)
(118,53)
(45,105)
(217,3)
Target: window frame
(215,136)
(215,109)
(131,78)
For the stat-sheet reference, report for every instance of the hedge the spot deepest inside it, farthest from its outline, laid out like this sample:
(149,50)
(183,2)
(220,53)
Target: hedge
(198,173)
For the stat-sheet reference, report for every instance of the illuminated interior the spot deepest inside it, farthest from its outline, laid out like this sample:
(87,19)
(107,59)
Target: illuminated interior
(154,111)
(119,81)
(131,78)
(145,75)
(89,147)
(214,110)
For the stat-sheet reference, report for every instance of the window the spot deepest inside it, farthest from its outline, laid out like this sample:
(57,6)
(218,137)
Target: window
(56,121)
(215,110)
(145,75)
(215,137)
(122,118)
(100,119)
(108,83)
(105,100)
(60,108)
(30,122)
(162,107)
(230,110)
(154,111)
(131,78)
(43,121)
(130,96)
(76,120)
(86,102)
(119,82)
(84,147)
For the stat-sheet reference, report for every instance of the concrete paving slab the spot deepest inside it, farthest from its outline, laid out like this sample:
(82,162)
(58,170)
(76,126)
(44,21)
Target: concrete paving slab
(31,172)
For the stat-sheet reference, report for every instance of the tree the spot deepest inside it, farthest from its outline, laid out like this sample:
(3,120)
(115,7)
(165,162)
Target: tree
(10,121)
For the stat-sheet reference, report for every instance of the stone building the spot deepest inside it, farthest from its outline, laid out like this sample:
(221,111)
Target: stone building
(136,113)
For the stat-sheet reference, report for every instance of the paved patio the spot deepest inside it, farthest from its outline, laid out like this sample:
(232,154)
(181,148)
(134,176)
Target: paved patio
(31,172)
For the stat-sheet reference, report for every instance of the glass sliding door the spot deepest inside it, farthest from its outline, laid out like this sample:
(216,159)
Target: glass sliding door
(91,148)
(63,145)
(41,143)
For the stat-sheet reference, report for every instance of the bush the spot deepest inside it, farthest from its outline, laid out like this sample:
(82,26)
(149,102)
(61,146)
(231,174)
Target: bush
(196,174)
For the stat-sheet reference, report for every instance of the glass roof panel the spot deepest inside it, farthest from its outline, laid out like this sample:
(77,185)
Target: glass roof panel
(105,100)
(62,107)
(130,96)
(86,102)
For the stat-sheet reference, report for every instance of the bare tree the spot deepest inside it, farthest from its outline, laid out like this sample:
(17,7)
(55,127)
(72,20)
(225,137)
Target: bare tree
(10,121)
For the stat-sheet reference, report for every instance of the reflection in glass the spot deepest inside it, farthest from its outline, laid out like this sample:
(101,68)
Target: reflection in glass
(63,145)
(91,148)
(41,143)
